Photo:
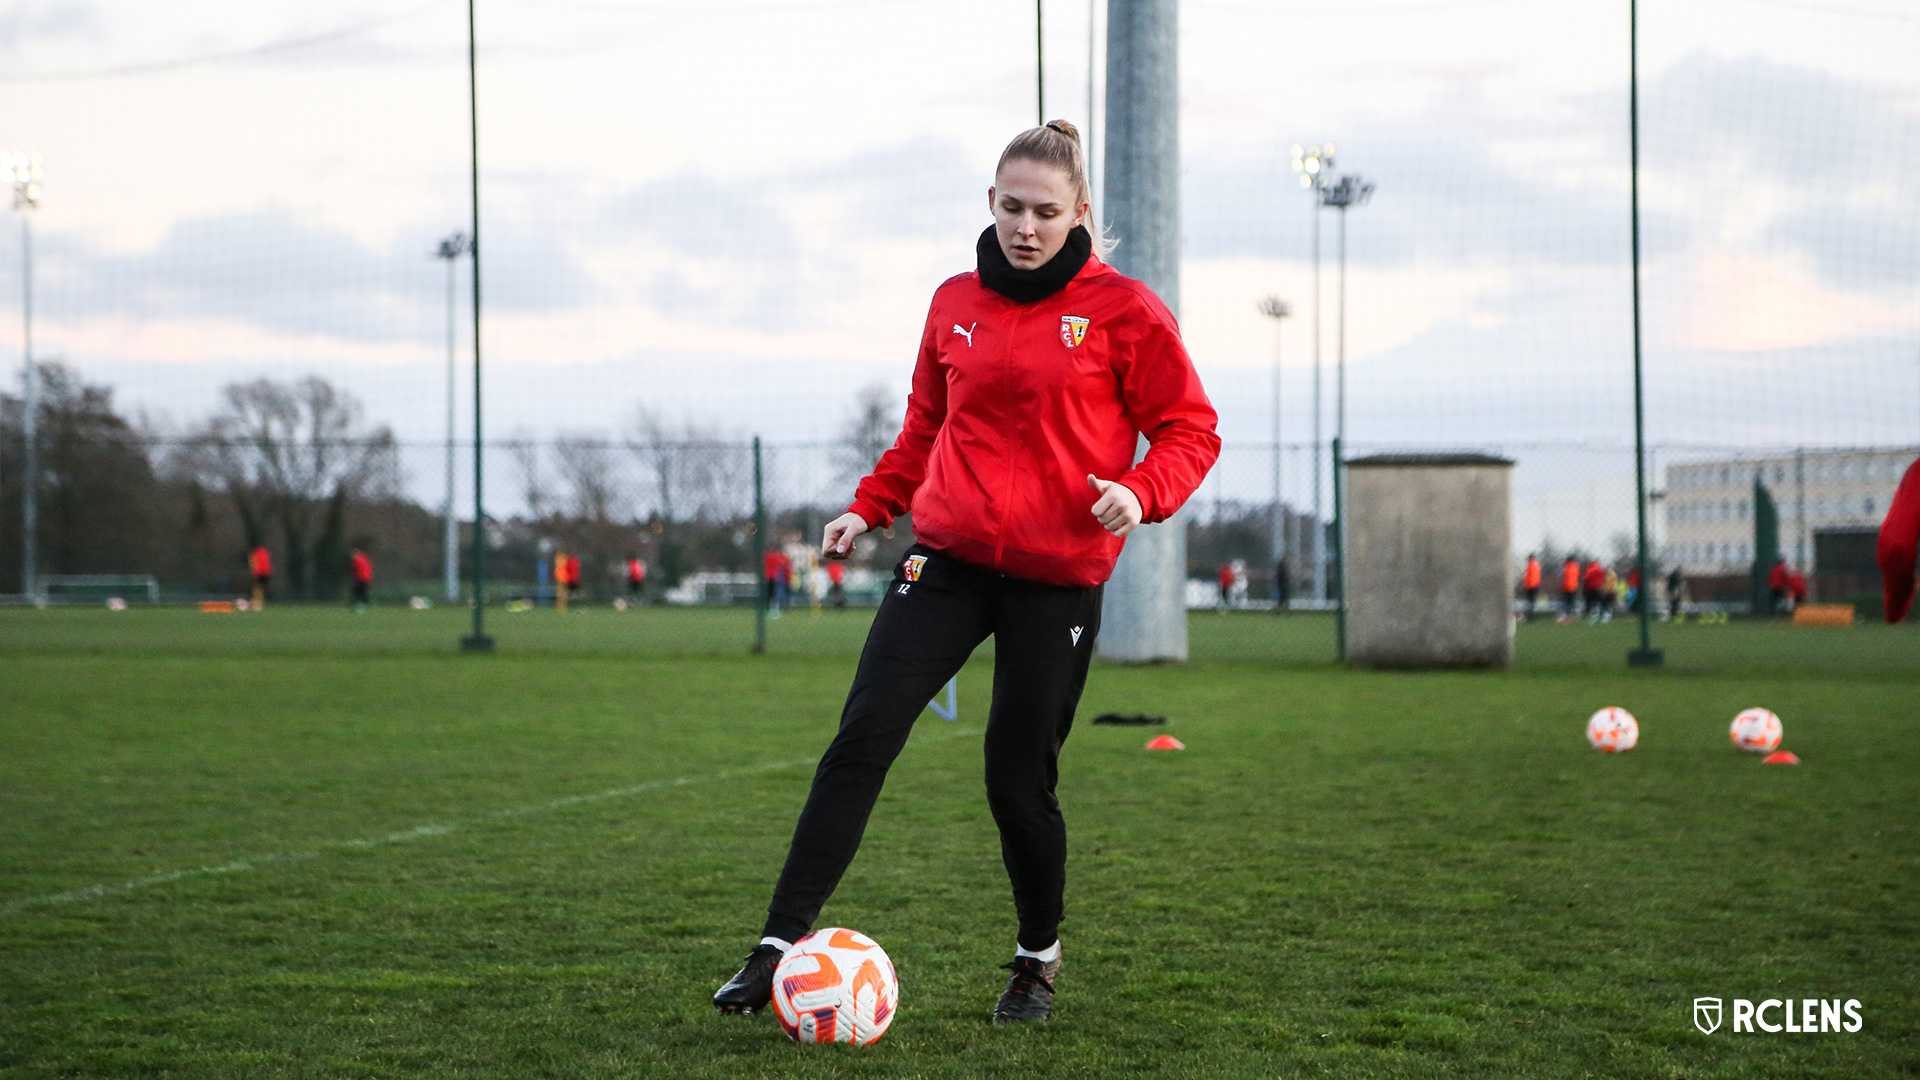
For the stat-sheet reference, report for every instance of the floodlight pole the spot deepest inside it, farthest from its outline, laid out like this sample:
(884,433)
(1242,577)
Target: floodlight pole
(1340,535)
(451,249)
(1646,655)
(29,426)
(1276,309)
(1314,164)
(1319,528)
(478,641)
(24,171)
(1351,191)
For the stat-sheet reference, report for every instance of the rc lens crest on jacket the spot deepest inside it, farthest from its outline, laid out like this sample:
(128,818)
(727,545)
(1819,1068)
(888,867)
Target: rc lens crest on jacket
(1073,330)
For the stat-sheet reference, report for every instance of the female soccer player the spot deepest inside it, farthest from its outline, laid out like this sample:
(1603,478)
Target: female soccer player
(1038,372)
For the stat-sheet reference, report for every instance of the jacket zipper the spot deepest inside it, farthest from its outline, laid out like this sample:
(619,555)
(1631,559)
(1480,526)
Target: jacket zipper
(1006,441)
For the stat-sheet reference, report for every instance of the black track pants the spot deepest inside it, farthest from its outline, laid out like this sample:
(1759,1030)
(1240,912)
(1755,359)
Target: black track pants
(925,630)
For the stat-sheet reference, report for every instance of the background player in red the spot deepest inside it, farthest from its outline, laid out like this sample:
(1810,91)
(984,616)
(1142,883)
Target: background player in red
(1780,584)
(636,576)
(260,566)
(778,568)
(1038,373)
(1899,540)
(1599,607)
(362,572)
(836,583)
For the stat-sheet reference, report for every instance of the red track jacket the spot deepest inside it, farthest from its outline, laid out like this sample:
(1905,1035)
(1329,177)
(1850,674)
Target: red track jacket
(1899,537)
(1014,404)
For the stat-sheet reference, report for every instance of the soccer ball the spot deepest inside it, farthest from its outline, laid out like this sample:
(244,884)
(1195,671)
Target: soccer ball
(835,985)
(1613,730)
(1756,731)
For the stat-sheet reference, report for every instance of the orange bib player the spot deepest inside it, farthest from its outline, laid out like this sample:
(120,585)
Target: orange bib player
(1530,581)
(260,565)
(561,588)
(1570,585)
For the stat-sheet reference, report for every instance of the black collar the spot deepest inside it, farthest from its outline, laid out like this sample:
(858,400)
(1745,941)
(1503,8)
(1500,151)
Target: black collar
(1027,286)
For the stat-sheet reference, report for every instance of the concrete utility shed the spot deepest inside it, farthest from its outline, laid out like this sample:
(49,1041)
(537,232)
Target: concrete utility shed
(1429,550)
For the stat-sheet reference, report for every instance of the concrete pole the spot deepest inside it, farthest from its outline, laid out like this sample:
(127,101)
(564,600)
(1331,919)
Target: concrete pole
(1145,615)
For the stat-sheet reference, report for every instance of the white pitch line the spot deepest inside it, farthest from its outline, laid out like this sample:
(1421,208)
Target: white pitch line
(421,832)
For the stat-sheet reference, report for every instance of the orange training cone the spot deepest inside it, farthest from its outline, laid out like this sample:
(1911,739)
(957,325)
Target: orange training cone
(1165,742)
(1781,757)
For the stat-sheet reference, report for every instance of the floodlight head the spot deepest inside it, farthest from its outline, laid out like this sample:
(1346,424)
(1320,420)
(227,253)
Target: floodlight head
(454,246)
(23,170)
(1275,308)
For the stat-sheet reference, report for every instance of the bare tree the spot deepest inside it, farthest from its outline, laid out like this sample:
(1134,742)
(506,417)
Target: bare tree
(591,472)
(868,433)
(694,473)
(525,454)
(294,455)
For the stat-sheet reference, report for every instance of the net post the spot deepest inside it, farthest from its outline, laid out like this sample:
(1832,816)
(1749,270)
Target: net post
(478,641)
(759,553)
(1646,655)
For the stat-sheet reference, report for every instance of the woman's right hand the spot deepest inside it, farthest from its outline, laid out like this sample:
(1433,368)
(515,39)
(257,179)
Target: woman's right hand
(837,542)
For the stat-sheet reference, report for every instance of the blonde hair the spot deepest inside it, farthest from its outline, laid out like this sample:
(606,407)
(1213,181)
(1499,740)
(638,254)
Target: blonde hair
(1057,143)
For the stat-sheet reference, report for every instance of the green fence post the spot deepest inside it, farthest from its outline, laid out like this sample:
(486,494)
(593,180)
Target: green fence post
(478,641)
(1646,655)
(759,553)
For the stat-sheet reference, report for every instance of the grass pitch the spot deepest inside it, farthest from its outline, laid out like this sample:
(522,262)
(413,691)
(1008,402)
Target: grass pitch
(302,844)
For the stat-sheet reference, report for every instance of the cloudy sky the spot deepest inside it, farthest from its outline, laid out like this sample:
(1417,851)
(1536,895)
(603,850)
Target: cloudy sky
(733,212)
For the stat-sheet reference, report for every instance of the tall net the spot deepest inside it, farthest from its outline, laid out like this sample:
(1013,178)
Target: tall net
(707,222)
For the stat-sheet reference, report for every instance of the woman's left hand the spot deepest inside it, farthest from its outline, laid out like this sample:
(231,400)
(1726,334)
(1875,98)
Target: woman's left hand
(1118,508)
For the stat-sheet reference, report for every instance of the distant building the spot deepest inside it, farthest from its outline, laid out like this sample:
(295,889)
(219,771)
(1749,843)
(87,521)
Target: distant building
(1709,504)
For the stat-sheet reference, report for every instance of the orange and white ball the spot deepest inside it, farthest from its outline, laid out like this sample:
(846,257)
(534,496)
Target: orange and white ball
(835,985)
(1612,730)
(1757,731)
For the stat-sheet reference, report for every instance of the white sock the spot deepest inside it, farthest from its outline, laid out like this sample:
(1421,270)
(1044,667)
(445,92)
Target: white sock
(785,946)
(1046,956)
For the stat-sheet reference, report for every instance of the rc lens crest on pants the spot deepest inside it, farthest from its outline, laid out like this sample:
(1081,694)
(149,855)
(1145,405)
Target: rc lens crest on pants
(913,566)
(1073,330)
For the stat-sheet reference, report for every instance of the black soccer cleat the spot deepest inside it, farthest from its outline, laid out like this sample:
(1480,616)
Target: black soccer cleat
(752,989)
(1029,992)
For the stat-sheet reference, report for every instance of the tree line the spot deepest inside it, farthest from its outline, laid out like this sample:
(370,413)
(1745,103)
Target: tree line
(297,467)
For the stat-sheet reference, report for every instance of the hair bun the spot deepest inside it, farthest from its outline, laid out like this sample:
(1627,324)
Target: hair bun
(1065,127)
